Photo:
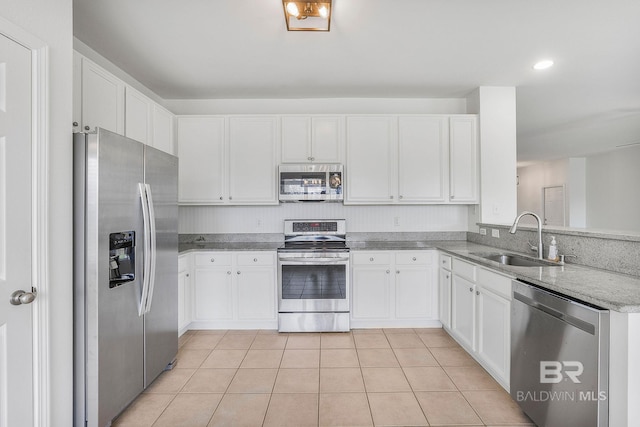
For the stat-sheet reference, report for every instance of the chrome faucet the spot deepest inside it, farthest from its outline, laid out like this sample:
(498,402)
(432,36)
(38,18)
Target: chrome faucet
(514,227)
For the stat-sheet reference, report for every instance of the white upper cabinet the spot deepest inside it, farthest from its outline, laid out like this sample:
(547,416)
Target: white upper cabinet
(463,148)
(163,129)
(370,166)
(201,150)
(423,159)
(312,139)
(138,116)
(102,99)
(253,160)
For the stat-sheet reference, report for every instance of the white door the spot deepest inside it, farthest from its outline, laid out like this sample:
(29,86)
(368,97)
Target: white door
(554,205)
(16,333)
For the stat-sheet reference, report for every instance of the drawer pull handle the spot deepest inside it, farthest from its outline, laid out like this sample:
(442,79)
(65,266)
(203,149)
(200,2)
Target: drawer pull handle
(228,272)
(414,258)
(238,272)
(255,260)
(477,292)
(470,289)
(213,260)
(397,271)
(371,259)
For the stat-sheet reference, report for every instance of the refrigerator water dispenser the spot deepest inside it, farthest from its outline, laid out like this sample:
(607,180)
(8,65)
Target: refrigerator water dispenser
(122,258)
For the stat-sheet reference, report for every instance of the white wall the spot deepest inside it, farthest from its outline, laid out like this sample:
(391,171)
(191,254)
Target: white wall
(51,22)
(613,199)
(531,181)
(600,190)
(269,219)
(498,195)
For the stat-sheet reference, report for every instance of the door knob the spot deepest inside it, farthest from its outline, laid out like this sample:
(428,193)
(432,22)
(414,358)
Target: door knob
(21,297)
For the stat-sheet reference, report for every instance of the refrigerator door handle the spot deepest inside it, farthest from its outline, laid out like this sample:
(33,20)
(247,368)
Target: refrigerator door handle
(146,275)
(152,247)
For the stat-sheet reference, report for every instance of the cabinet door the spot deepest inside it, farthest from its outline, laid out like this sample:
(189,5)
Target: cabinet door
(163,130)
(253,159)
(371,291)
(445,298)
(463,310)
(370,160)
(77,92)
(326,140)
(493,326)
(201,148)
(185,298)
(296,139)
(463,143)
(102,99)
(213,296)
(413,292)
(423,159)
(256,287)
(138,116)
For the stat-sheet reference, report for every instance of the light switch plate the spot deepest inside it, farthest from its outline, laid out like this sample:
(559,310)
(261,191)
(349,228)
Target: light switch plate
(495,232)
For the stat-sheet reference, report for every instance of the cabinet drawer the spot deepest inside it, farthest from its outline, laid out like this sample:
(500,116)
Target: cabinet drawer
(256,258)
(213,258)
(464,269)
(183,262)
(371,258)
(445,261)
(495,282)
(414,258)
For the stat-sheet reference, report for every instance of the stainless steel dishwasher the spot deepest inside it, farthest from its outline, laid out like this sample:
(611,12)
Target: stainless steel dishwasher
(559,358)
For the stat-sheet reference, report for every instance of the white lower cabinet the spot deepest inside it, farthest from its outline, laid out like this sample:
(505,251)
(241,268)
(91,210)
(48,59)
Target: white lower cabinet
(235,290)
(185,293)
(394,289)
(444,291)
(480,316)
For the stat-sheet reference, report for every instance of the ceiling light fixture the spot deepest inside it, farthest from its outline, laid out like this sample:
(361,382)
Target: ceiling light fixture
(307,15)
(543,65)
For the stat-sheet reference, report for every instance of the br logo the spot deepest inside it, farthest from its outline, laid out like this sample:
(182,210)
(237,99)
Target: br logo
(554,372)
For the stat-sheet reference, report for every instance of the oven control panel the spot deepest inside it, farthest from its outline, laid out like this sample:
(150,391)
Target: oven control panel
(315,227)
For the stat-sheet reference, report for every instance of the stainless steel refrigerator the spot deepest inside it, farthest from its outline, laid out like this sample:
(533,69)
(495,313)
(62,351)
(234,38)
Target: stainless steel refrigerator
(125,272)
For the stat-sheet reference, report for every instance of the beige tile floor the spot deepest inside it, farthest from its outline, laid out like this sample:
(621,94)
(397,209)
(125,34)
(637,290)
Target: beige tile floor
(381,377)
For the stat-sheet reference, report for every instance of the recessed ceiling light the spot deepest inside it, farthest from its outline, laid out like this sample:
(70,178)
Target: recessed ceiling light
(543,65)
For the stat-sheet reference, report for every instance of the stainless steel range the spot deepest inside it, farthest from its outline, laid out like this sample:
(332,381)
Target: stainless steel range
(313,277)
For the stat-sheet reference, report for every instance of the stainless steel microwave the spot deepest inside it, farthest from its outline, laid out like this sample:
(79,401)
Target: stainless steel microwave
(311,183)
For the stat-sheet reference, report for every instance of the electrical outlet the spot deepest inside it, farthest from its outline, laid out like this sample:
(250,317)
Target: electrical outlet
(396,221)
(483,231)
(495,232)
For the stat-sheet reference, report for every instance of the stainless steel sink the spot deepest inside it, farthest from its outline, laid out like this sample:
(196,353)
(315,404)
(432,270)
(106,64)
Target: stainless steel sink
(516,260)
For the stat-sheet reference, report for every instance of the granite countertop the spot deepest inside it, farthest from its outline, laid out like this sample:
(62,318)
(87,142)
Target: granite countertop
(606,289)
(228,246)
(614,291)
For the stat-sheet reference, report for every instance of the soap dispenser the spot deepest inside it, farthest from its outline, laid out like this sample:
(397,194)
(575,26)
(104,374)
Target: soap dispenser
(553,250)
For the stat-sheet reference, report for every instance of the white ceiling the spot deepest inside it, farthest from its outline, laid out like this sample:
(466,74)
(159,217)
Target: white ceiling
(226,49)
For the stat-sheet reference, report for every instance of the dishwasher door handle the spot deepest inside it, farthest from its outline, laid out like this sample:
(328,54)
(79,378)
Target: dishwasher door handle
(574,321)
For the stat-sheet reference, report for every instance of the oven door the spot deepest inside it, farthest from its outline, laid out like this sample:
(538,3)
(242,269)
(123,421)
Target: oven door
(313,282)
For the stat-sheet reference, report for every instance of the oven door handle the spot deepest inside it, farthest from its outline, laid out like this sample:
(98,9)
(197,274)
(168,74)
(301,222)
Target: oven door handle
(313,260)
